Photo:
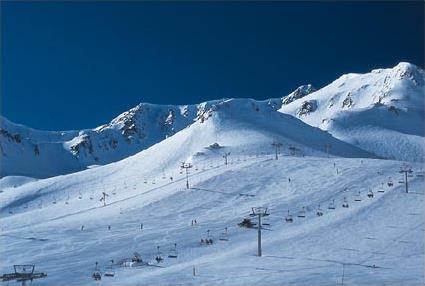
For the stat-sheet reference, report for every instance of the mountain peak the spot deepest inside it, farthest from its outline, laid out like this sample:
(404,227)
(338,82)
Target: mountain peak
(299,92)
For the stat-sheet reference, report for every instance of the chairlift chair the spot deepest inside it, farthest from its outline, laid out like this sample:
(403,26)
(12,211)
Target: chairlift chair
(265,222)
(224,236)
(54,200)
(110,270)
(137,258)
(358,197)
(345,203)
(332,205)
(381,189)
(158,257)
(390,182)
(80,196)
(302,213)
(288,218)
(319,211)
(370,194)
(173,252)
(96,273)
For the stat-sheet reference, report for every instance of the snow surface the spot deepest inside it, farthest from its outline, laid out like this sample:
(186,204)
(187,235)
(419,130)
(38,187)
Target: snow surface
(378,240)
(386,231)
(381,111)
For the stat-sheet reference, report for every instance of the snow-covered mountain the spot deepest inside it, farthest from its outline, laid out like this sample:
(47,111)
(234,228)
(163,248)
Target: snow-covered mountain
(29,152)
(36,153)
(136,219)
(381,111)
(60,225)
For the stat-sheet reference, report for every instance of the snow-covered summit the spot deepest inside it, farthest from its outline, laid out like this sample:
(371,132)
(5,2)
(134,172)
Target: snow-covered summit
(380,111)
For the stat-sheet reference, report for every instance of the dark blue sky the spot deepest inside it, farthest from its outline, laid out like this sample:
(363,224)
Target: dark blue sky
(72,65)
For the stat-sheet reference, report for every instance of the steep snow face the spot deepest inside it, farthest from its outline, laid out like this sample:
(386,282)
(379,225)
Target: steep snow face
(300,92)
(381,111)
(28,152)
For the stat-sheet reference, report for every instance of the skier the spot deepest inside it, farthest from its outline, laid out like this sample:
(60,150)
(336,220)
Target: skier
(141,226)
(289,180)
(195,222)
(82,227)
(109,227)
(171,179)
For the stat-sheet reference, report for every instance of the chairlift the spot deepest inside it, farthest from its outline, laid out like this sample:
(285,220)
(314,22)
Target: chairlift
(302,213)
(110,270)
(54,200)
(173,252)
(265,222)
(26,206)
(381,189)
(319,211)
(80,196)
(288,217)
(158,257)
(390,182)
(332,205)
(145,181)
(370,194)
(96,273)
(345,203)
(358,197)
(10,212)
(91,196)
(207,240)
(137,258)
(224,236)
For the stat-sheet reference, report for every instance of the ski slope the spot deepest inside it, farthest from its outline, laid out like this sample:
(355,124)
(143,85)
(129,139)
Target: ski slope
(45,217)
